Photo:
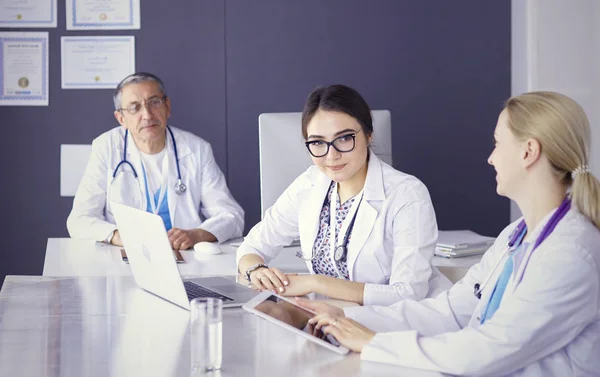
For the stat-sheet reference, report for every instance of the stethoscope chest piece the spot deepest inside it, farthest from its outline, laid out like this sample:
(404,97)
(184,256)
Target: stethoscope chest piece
(340,253)
(180,187)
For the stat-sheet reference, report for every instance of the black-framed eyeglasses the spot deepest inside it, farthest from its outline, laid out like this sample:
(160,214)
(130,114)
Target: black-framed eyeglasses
(153,103)
(342,144)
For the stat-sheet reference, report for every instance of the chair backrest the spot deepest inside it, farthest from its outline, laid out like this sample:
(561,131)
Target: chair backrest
(283,155)
(73,160)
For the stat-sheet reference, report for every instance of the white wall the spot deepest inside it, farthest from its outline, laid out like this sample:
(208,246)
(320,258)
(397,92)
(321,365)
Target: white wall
(556,46)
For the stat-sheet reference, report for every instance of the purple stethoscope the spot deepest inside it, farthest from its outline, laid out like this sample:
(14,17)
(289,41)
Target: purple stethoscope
(517,236)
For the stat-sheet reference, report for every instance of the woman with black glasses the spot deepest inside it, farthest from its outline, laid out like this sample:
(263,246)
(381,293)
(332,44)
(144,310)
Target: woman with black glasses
(367,231)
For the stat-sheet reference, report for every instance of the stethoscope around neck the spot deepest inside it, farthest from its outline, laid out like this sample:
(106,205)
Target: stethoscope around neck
(517,237)
(341,251)
(179,185)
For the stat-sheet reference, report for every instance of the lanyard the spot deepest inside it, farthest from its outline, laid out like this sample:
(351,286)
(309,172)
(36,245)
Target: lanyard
(345,224)
(513,244)
(155,206)
(517,237)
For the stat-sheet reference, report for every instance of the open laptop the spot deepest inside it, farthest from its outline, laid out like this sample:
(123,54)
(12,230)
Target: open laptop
(151,258)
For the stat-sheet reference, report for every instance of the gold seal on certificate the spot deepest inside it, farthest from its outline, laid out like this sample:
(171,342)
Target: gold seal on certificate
(101,14)
(23,68)
(23,82)
(27,13)
(96,62)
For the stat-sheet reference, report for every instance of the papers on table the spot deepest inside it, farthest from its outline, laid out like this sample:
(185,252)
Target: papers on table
(461,243)
(103,14)
(28,13)
(24,69)
(96,62)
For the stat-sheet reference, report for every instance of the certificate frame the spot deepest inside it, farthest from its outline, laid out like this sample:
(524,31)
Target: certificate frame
(132,22)
(19,22)
(20,99)
(69,80)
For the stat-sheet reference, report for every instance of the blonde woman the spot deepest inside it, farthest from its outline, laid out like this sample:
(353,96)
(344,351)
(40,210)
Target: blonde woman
(536,306)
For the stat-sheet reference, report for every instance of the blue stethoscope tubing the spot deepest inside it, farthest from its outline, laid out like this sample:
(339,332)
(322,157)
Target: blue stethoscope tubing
(179,186)
(517,236)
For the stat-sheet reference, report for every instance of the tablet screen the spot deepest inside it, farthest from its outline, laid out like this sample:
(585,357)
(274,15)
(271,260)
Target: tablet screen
(293,315)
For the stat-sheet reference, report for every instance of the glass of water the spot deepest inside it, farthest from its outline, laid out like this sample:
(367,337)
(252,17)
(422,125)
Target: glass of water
(206,334)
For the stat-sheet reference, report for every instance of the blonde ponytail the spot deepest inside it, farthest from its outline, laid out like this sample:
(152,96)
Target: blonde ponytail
(562,128)
(585,195)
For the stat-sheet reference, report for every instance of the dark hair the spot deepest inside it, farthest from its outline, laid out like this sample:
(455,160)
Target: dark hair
(340,98)
(135,78)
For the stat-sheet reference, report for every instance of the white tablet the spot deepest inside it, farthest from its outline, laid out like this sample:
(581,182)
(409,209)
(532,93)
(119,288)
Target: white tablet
(287,314)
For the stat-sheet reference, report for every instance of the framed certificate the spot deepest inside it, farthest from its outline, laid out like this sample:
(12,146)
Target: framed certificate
(96,62)
(24,69)
(103,14)
(28,13)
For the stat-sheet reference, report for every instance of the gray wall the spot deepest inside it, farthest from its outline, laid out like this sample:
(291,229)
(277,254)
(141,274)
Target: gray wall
(442,68)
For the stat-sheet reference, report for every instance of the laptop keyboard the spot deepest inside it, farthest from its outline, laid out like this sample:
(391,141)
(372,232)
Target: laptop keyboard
(193,290)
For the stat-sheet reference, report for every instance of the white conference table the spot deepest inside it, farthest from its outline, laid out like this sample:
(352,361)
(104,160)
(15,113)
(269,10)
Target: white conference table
(70,257)
(108,327)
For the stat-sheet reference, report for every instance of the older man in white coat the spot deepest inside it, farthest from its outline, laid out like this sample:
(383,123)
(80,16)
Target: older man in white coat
(149,165)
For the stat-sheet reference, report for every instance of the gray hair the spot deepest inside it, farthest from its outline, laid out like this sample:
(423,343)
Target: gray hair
(134,79)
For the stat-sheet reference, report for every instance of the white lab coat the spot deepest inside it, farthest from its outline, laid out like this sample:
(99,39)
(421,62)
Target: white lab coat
(393,238)
(207,194)
(547,325)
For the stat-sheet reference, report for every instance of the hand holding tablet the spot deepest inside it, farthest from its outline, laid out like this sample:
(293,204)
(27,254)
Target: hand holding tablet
(289,315)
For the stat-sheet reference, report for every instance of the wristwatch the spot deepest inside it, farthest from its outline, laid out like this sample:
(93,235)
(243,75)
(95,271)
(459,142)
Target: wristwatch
(252,268)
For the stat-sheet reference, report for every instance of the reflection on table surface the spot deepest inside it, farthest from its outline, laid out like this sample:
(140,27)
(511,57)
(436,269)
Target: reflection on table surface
(106,326)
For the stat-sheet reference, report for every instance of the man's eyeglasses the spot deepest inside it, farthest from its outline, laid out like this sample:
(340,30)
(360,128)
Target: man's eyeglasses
(153,103)
(342,144)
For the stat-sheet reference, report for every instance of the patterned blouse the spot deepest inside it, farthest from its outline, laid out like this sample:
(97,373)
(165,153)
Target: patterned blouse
(324,263)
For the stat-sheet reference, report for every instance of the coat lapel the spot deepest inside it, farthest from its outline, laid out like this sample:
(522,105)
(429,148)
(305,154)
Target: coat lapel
(309,214)
(367,215)
(365,220)
(521,261)
(171,195)
(489,288)
(183,150)
(134,158)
